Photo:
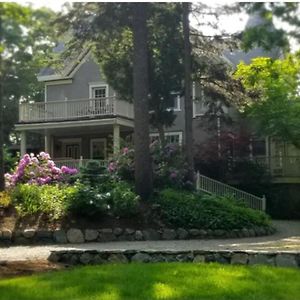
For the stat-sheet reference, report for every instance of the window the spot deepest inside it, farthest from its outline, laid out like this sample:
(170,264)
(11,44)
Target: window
(176,105)
(176,102)
(171,137)
(259,147)
(99,92)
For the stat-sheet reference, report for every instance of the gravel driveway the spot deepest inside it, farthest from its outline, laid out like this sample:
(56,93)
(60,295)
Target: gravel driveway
(287,238)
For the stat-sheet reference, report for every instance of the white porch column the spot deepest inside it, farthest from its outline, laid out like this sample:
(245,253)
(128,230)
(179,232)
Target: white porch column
(23,143)
(48,143)
(116,138)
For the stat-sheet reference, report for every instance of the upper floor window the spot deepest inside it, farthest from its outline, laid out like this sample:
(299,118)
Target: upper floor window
(98,91)
(176,102)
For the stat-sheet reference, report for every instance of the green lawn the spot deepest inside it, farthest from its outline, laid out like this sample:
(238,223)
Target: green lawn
(157,281)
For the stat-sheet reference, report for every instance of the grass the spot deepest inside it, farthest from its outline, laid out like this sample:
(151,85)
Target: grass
(157,281)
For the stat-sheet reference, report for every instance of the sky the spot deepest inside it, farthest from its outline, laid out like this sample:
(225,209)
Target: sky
(231,25)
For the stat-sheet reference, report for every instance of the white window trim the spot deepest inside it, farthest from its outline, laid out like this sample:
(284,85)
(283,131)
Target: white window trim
(169,133)
(98,85)
(177,100)
(98,140)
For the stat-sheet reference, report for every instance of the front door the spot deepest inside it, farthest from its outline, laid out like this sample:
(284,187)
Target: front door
(98,149)
(72,151)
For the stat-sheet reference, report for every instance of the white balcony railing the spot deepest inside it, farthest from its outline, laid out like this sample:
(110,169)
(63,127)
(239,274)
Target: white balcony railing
(281,166)
(74,109)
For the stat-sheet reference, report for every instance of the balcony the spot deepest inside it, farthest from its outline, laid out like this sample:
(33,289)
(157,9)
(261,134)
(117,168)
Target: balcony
(74,109)
(281,166)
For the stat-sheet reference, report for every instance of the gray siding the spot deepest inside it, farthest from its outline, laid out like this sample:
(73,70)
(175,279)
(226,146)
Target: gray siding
(88,72)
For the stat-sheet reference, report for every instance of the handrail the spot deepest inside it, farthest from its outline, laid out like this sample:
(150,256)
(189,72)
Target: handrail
(213,186)
(77,163)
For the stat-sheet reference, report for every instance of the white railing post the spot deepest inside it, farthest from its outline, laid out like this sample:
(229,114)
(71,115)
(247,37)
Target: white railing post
(197,180)
(80,161)
(264,200)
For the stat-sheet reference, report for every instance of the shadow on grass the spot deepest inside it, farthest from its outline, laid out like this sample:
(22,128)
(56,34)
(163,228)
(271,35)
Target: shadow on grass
(157,281)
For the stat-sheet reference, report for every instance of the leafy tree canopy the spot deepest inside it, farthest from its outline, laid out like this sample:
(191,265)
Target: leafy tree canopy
(26,38)
(273,95)
(266,35)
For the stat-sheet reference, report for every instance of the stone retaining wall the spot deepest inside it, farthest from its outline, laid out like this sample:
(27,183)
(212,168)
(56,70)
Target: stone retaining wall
(84,257)
(75,235)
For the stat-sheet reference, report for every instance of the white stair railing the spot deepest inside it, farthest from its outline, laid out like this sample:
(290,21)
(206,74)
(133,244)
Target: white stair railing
(212,186)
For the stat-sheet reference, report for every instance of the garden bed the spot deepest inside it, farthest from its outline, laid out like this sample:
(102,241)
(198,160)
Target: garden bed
(46,204)
(39,229)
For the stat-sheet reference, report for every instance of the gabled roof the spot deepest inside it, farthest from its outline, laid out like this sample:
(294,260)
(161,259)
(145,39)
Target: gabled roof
(70,66)
(236,56)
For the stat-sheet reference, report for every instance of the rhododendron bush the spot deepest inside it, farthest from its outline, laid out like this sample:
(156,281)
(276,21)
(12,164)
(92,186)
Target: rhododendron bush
(169,167)
(38,170)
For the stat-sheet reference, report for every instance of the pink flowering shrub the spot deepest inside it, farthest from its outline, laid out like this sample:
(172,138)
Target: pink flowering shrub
(169,166)
(38,170)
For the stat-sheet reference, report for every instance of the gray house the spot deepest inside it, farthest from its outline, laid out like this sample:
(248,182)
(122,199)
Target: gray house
(83,118)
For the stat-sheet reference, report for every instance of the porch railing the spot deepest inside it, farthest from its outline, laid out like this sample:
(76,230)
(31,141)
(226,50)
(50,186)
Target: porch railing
(211,186)
(77,163)
(74,109)
(281,166)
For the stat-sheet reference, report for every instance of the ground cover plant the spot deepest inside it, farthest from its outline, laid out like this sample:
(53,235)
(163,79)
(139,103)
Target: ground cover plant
(172,281)
(194,210)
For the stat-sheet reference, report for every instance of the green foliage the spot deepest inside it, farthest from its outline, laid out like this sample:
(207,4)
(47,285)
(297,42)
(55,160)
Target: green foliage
(113,198)
(191,210)
(123,201)
(266,35)
(9,161)
(26,38)
(88,200)
(273,102)
(169,166)
(92,174)
(49,199)
(5,199)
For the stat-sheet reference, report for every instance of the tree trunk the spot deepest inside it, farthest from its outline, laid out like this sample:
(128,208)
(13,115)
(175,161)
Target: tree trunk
(143,169)
(2,183)
(188,102)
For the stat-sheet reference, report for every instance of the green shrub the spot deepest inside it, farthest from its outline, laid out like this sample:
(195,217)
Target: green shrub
(88,200)
(49,199)
(192,210)
(93,174)
(124,201)
(110,197)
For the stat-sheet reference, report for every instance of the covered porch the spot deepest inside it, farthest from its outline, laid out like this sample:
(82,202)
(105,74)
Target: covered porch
(76,142)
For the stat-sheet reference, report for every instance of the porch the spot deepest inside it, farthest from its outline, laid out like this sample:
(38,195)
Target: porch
(282,169)
(75,142)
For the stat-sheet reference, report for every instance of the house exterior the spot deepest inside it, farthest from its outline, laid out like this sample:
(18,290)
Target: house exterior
(83,118)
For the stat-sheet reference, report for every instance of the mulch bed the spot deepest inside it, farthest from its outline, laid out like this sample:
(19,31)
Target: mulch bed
(24,268)
(145,218)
